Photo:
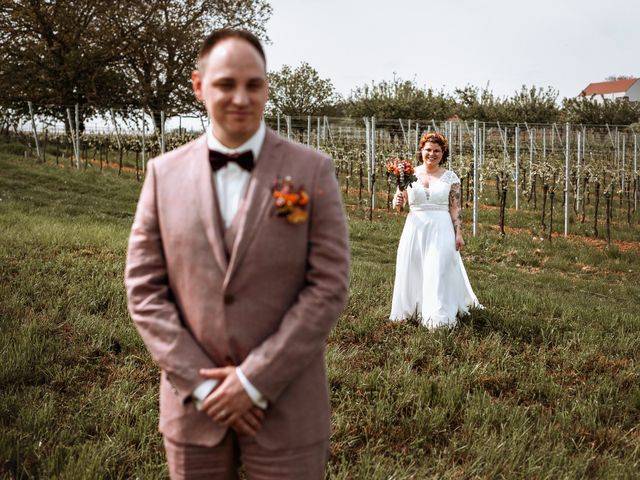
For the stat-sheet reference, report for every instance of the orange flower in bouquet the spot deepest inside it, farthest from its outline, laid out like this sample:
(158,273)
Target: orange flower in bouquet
(400,173)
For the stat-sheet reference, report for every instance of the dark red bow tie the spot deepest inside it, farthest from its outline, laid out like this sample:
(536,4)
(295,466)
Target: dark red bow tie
(219,159)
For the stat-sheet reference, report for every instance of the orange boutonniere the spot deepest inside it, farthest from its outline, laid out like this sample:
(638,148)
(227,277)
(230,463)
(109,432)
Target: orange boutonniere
(289,201)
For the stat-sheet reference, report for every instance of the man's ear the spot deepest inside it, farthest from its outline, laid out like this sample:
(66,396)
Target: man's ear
(196,84)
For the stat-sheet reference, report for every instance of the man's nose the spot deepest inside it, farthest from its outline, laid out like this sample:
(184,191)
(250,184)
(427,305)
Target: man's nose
(240,96)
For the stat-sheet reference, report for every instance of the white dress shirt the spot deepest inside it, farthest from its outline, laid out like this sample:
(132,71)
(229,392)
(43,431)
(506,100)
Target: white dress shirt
(231,183)
(231,180)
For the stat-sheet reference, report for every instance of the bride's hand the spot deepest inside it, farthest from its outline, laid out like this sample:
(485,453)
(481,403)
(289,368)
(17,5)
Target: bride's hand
(398,200)
(459,242)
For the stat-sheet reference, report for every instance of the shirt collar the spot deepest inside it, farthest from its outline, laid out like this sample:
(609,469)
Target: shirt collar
(254,143)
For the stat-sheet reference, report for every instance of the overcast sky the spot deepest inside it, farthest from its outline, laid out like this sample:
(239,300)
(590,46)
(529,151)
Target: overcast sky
(565,44)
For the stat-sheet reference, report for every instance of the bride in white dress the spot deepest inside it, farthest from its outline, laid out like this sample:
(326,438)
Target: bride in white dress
(431,284)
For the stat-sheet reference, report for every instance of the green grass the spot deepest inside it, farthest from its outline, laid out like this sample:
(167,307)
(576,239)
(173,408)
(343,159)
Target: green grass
(543,383)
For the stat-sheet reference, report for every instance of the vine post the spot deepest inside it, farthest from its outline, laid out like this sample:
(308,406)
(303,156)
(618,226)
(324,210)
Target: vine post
(162,139)
(326,130)
(532,173)
(459,140)
(77,111)
(367,126)
(552,197)
(347,178)
(624,163)
(450,137)
(566,178)
(585,190)
(545,193)
(517,161)
(635,171)
(475,178)
(405,134)
(373,166)
(596,205)
(609,202)
(361,184)
(120,145)
(578,165)
(144,152)
(72,130)
(33,127)
(482,138)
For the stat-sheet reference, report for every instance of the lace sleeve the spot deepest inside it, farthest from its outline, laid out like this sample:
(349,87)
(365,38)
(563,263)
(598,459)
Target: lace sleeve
(450,177)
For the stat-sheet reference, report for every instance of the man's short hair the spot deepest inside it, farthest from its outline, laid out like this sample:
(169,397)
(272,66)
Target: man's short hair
(222,34)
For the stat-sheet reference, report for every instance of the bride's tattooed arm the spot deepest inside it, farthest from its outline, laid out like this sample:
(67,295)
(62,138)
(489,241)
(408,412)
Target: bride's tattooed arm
(455,210)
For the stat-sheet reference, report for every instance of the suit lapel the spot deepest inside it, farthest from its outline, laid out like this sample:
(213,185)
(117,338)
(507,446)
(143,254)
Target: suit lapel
(258,199)
(207,201)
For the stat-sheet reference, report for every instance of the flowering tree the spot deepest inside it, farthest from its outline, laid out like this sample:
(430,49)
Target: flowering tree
(300,91)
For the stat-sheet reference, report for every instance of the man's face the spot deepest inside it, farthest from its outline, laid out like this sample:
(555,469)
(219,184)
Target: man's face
(232,84)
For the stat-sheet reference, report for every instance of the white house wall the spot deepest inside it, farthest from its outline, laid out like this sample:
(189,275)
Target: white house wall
(634,92)
(601,97)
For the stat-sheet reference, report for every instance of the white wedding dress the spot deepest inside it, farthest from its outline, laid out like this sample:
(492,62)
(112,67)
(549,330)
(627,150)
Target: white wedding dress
(431,284)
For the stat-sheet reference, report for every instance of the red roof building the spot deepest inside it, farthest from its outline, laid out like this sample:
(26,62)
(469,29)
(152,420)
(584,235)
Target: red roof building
(629,88)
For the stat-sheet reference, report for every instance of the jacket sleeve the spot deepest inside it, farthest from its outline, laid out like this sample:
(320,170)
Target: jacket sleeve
(152,309)
(304,328)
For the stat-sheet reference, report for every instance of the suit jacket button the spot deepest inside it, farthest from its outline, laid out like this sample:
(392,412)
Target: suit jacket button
(228,299)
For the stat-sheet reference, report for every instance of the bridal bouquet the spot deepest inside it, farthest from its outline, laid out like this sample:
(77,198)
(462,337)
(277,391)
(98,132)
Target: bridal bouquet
(400,173)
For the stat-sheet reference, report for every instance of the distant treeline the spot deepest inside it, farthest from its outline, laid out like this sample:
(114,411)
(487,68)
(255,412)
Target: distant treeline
(399,98)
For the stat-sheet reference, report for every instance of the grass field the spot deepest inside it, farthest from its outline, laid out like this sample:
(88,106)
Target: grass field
(543,383)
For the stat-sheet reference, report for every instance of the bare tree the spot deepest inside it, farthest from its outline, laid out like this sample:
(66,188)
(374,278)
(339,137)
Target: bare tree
(110,53)
(162,39)
(57,54)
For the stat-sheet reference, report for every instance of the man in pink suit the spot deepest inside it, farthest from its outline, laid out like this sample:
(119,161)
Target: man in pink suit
(237,269)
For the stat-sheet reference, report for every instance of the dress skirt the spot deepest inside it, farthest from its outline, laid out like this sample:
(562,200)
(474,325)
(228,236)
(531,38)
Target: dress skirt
(431,284)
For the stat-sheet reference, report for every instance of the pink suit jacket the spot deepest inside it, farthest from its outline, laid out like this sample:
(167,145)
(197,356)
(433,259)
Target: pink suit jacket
(268,305)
